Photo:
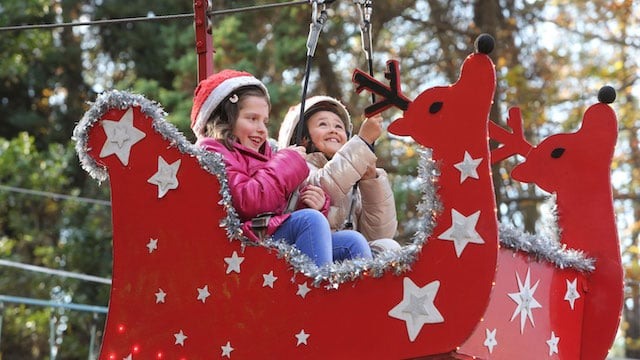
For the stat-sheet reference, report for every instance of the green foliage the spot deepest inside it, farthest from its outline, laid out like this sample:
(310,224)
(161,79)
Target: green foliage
(551,58)
(145,48)
(45,231)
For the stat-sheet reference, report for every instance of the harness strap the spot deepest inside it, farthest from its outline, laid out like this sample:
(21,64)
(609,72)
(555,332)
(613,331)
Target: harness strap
(293,201)
(348,224)
(260,223)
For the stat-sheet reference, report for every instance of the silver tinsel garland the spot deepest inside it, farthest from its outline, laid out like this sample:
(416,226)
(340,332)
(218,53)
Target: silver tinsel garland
(331,276)
(547,246)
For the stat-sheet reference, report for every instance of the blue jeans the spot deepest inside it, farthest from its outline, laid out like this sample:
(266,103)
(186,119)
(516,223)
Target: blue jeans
(309,231)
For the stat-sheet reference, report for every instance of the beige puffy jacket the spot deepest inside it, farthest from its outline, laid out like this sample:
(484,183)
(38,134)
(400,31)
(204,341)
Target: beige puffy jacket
(374,212)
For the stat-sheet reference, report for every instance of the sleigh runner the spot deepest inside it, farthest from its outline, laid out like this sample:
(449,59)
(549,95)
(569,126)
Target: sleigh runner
(188,284)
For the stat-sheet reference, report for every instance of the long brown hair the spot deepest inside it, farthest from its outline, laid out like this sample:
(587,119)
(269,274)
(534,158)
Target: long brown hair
(223,119)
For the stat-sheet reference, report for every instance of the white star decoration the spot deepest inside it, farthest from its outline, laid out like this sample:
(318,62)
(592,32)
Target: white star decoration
(152,245)
(525,300)
(269,279)
(226,350)
(160,295)
(302,337)
(303,289)
(233,262)
(180,338)
(468,167)
(121,136)
(490,340)
(165,178)
(129,357)
(203,293)
(572,292)
(462,231)
(553,343)
(416,307)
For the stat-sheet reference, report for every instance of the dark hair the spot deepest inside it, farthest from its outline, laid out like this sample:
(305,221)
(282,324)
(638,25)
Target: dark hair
(306,136)
(223,119)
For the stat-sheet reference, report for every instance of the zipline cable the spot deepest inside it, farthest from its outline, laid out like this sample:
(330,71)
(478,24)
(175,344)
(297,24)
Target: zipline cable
(54,195)
(365,9)
(317,23)
(96,22)
(149,18)
(315,27)
(258,7)
(61,273)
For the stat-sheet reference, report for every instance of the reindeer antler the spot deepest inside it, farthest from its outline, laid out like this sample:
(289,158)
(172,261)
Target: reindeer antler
(512,142)
(391,95)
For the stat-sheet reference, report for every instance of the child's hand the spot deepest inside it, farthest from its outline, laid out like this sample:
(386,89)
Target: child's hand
(299,149)
(370,173)
(371,129)
(313,197)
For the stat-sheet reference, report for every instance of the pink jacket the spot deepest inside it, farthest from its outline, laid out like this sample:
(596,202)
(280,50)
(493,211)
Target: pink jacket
(261,183)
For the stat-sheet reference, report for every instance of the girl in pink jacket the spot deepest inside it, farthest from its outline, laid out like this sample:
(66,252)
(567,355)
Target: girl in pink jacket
(229,116)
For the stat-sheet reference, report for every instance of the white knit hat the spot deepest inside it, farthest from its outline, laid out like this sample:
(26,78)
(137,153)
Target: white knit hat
(212,90)
(291,119)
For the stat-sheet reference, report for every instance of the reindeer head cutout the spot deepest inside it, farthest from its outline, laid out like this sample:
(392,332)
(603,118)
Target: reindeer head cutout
(576,167)
(439,112)
(569,161)
(461,251)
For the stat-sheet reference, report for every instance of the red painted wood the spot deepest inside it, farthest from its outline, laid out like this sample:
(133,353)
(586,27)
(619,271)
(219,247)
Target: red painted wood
(581,180)
(555,313)
(459,126)
(353,321)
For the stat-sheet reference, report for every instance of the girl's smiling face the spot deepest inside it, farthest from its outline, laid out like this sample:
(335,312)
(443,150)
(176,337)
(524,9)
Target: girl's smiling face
(327,132)
(250,129)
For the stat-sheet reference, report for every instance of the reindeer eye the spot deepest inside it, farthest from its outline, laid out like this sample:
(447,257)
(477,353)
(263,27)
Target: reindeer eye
(557,152)
(435,107)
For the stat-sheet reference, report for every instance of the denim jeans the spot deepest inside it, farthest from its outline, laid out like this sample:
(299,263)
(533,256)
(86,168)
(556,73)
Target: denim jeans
(309,231)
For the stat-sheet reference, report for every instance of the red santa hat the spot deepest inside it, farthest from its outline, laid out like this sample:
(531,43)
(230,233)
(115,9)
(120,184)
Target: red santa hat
(212,90)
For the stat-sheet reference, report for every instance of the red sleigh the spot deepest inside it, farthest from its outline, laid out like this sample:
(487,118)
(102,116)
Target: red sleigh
(188,285)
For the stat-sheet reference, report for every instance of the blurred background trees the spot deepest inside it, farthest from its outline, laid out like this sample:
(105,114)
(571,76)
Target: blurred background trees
(551,58)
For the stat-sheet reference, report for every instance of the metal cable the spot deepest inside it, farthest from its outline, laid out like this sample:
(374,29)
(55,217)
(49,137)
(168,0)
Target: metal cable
(48,303)
(148,18)
(54,195)
(61,273)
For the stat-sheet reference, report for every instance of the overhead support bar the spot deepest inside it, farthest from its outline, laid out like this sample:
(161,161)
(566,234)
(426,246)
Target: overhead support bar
(55,304)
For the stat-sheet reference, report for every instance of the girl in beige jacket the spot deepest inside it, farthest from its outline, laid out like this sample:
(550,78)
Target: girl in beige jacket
(336,163)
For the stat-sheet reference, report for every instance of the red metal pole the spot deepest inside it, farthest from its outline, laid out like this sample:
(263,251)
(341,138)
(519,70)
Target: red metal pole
(204,43)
